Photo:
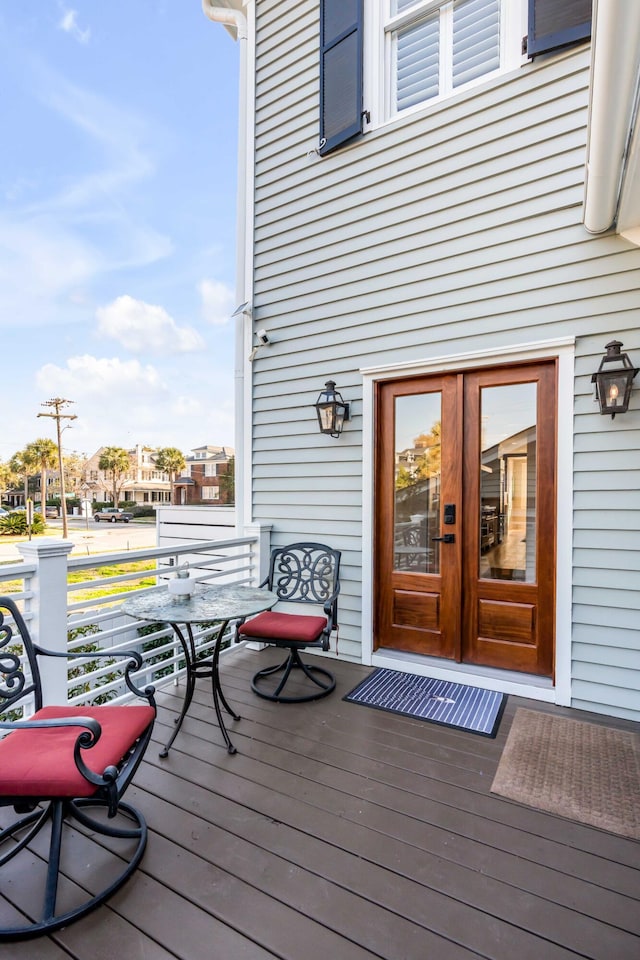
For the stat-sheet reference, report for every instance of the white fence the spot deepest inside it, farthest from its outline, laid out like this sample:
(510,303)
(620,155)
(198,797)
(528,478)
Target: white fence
(85,615)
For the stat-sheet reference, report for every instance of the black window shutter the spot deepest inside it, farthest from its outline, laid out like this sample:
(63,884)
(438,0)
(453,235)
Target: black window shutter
(340,72)
(557,23)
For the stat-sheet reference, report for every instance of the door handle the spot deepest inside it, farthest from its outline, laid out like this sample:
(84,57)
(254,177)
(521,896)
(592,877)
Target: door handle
(448,538)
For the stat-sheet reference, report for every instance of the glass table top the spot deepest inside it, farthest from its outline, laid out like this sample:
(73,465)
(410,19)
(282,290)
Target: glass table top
(225,602)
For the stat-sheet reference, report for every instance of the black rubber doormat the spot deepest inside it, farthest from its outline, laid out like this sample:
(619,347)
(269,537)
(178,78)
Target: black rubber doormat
(437,701)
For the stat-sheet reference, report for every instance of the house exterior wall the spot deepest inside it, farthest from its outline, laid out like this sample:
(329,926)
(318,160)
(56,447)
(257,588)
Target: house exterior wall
(144,483)
(208,470)
(455,230)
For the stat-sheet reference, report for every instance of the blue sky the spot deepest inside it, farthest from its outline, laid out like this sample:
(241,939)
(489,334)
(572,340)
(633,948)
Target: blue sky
(117,222)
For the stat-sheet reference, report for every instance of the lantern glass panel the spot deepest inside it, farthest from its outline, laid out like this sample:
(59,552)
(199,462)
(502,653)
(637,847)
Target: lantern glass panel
(325,416)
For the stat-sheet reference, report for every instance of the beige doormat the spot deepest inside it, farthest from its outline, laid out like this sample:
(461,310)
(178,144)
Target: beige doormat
(579,770)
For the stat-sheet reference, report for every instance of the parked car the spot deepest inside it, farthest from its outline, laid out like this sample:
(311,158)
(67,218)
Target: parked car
(51,512)
(112,515)
(3,512)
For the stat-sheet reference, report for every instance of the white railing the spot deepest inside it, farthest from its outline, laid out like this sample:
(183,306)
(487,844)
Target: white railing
(62,614)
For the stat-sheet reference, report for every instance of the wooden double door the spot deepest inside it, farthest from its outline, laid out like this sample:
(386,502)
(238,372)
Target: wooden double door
(465,494)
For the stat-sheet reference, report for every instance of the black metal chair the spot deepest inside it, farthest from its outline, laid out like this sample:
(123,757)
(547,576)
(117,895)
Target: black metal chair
(64,771)
(301,573)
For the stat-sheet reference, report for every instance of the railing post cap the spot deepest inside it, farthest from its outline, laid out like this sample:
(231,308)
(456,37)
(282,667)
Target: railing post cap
(47,547)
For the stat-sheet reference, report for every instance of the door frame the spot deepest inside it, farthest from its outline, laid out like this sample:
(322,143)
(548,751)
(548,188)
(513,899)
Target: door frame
(563,351)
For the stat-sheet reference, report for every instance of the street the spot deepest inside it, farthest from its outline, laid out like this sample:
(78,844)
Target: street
(89,537)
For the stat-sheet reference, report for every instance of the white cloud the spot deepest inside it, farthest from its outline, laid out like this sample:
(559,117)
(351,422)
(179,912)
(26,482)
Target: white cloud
(217,301)
(116,401)
(69,23)
(107,378)
(144,327)
(124,402)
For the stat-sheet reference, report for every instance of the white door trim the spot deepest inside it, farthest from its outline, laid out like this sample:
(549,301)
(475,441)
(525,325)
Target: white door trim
(559,690)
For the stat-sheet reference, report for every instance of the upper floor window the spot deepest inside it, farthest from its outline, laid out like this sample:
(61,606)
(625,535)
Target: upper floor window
(434,49)
(415,52)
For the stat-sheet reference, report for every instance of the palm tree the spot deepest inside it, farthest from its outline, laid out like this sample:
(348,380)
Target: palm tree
(44,453)
(170,460)
(116,461)
(24,463)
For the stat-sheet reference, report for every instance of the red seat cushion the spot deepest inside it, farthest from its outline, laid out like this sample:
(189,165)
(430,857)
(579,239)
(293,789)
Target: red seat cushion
(39,762)
(288,627)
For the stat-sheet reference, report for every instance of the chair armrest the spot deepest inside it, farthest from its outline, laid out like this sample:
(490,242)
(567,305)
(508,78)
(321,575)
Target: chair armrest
(89,737)
(331,612)
(134,663)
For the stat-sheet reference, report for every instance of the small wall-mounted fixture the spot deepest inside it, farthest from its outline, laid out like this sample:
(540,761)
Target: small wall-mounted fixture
(332,410)
(613,380)
(265,341)
(244,308)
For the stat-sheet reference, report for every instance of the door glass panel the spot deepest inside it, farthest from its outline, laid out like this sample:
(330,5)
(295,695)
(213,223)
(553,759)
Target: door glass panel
(508,483)
(417,483)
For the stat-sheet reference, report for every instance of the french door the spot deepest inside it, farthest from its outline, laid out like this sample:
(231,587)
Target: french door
(465,516)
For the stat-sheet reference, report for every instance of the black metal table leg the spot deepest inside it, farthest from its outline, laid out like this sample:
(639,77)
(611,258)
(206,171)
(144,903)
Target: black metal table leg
(202,669)
(216,687)
(189,653)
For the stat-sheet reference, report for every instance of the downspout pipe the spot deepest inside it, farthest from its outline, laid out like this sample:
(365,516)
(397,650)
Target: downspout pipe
(236,22)
(614,72)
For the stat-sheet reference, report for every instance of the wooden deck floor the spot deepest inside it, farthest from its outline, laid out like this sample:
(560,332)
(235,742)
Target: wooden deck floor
(342,832)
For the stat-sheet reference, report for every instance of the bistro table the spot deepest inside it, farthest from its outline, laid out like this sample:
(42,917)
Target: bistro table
(218,605)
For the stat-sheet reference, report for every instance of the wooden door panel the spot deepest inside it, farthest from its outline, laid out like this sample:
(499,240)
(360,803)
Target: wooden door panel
(419,611)
(501,621)
(416,626)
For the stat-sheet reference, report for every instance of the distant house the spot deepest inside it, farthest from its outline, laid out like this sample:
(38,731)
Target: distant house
(441,213)
(207,479)
(144,483)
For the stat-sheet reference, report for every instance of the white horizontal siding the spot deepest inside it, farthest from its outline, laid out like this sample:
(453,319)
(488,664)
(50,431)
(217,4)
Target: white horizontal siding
(606,591)
(455,229)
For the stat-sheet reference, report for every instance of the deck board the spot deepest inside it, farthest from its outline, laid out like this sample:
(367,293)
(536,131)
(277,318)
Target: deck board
(337,830)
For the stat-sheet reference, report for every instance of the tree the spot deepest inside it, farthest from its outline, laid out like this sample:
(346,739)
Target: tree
(227,481)
(74,467)
(428,464)
(116,461)
(23,463)
(9,478)
(170,460)
(44,453)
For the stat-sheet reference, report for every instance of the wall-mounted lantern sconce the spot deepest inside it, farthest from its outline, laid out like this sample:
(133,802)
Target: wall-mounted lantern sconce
(332,410)
(613,380)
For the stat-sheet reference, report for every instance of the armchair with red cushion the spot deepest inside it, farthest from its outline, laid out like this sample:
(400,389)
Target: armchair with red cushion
(63,771)
(305,573)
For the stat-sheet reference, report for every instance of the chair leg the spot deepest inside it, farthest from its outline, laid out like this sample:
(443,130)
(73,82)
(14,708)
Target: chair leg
(317,675)
(64,815)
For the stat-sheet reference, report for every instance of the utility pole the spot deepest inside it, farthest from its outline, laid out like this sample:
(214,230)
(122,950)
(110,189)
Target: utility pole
(57,403)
